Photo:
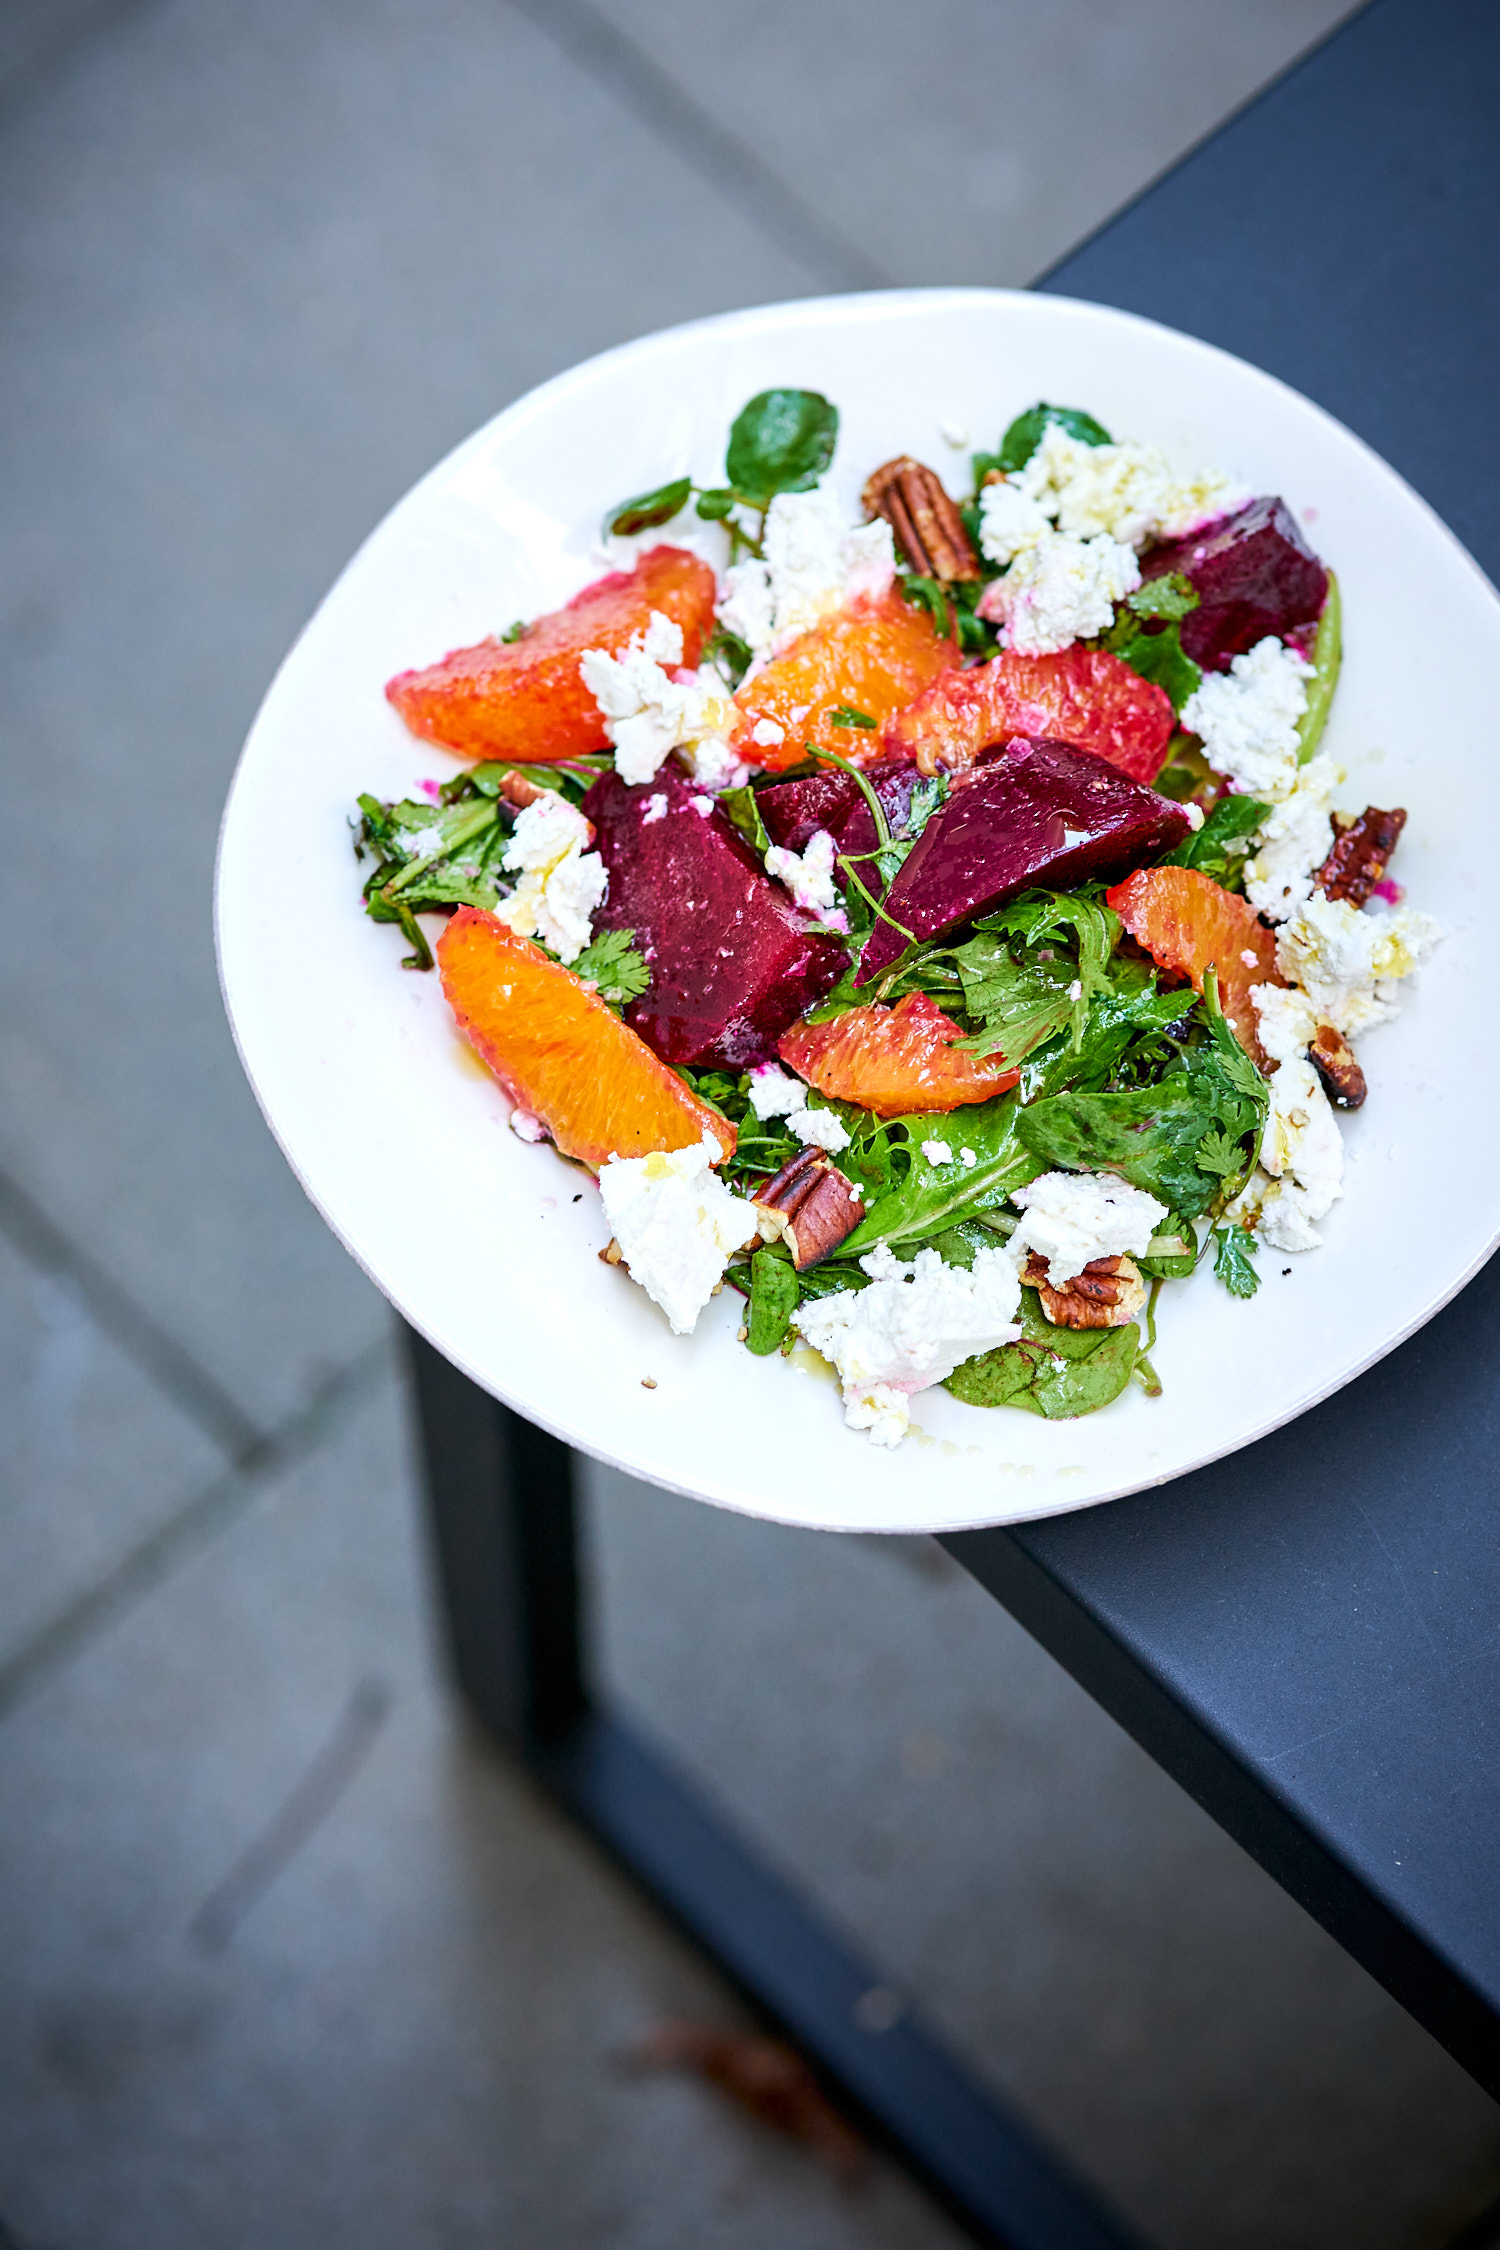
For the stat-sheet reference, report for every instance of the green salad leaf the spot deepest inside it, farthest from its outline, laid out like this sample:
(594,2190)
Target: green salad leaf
(908,1198)
(781,442)
(1059,1373)
(743,808)
(1233,820)
(649,509)
(615,966)
(1036,965)
(1027,431)
(1234,1260)
(1327,655)
(1172,595)
(774,1295)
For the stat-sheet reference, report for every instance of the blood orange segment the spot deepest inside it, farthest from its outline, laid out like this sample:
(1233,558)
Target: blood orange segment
(872,657)
(1189,924)
(1083,696)
(559,1052)
(895,1061)
(524,699)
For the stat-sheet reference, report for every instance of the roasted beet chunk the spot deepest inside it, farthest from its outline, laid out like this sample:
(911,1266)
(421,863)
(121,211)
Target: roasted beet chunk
(1042,813)
(1253,573)
(794,811)
(733,962)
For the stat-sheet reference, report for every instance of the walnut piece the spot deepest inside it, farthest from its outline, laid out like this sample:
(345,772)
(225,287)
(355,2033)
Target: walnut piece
(1343,1080)
(928,527)
(1361,850)
(1107,1294)
(811,1205)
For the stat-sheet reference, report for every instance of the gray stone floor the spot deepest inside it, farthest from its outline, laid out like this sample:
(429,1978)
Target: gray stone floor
(286,1955)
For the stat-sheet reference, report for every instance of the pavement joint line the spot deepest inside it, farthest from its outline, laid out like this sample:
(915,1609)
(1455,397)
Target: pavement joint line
(301,1813)
(693,133)
(211,1511)
(173,1369)
(15,86)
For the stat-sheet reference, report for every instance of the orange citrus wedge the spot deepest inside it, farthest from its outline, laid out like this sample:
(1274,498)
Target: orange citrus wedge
(894,1061)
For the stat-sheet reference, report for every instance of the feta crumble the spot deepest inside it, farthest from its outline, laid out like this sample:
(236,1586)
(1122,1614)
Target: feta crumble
(1071,1218)
(1300,1175)
(656,809)
(774,1094)
(1130,492)
(937,1152)
(561,884)
(1348,959)
(1293,843)
(809,878)
(911,1328)
(677,1225)
(814,563)
(1059,590)
(1246,719)
(647,715)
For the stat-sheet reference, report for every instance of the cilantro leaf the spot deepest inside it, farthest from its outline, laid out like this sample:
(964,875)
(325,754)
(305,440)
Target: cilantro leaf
(614,966)
(648,509)
(1027,431)
(1171,595)
(1234,1260)
(781,442)
(1216,1152)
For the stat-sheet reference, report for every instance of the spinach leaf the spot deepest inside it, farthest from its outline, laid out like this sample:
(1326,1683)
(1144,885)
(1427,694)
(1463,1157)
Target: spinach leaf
(616,966)
(1027,431)
(649,509)
(781,442)
(1327,655)
(1233,820)
(773,1299)
(1234,1260)
(715,505)
(1059,1373)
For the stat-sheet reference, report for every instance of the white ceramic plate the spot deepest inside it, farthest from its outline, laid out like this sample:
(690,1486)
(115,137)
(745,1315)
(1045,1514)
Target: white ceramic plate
(488,1246)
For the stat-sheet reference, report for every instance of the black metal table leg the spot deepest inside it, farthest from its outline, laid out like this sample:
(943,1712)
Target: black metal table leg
(505,1538)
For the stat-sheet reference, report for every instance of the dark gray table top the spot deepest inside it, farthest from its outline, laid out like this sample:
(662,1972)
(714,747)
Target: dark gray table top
(1308,1634)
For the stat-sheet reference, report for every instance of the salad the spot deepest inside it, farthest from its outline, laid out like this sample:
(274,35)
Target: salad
(940,928)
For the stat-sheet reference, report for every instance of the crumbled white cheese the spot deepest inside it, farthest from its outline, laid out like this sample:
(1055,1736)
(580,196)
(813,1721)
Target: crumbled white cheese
(967,1159)
(561,884)
(1071,1218)
(1059,590)
(646,715)
(710,760)
(418,843)
(1129,492)
(1194,815)
(656,809)
(767,733)
(814,563)
(937,1152)
(1009,519)
(1293,843)
(1247,718)
(809,877)
(954,433)
(911,1328)
(1301,1171)
(1285,1019)
(774,1094)
(1348,959)
(677,1225)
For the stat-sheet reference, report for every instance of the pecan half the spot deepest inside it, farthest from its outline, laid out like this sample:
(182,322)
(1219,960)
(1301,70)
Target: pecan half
(1361,849)
(1108,1293)
(1343,1080)
(811,1205)
(928,527)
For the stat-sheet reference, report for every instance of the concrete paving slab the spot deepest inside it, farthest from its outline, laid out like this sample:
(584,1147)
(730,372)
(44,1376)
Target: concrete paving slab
(1093,1942)
(95,1458)
(965,140)
(287,1956)
(260,266)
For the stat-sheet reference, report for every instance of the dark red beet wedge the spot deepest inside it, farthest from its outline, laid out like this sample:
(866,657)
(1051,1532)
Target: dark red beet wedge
(733,963)
(794,811)
(1253,573)
(1041,813)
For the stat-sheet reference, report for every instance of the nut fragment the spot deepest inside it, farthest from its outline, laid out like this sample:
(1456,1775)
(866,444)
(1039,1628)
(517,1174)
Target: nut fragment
(927,525)
(1107,1294)
(612,1255)
(1343,1080)
(811,1205)
(1361,849)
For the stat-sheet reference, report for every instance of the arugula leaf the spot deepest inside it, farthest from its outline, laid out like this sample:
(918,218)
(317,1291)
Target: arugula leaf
(1124,1034)
(616,967)
(1150,1136)
(908,1199)
(781,442)
(743,809)
(1171,595)
(1327,655)
(1027,431)
(950,605)
(1234,1260)
(1059,1373)
(648,509)
(844,716)
(1023,1004)
(774,1293)
(1231,821)
(570,781)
